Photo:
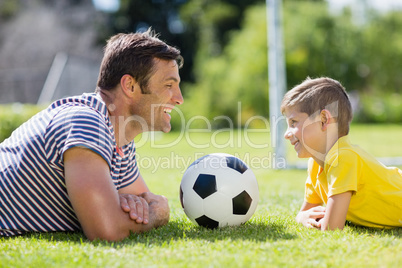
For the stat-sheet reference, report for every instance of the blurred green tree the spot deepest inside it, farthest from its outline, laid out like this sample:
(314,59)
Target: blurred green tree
(224,44)
(317,43)
(191,25)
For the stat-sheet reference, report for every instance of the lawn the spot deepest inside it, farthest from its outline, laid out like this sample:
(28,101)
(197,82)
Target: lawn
(270,239)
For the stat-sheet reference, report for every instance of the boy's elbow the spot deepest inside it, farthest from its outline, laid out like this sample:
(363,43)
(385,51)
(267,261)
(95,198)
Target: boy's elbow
(331,229)
(334,227)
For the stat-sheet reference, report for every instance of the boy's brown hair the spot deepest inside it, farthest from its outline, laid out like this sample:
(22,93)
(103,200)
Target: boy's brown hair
(315,95)
(134,54)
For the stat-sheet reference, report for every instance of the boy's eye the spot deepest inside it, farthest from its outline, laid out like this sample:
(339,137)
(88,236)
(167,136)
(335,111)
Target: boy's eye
(292,123)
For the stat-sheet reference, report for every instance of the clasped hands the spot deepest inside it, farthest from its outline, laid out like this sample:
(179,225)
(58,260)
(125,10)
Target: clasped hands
(138,206)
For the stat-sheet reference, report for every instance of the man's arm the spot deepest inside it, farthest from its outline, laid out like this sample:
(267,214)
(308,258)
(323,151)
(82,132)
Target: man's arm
(132,202)
(96,202)
(138,187)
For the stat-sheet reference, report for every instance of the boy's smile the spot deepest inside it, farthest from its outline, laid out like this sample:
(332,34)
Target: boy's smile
(294,133)
(306,135)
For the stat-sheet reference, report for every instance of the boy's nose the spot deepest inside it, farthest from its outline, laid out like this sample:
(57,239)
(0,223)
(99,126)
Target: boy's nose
(288,134)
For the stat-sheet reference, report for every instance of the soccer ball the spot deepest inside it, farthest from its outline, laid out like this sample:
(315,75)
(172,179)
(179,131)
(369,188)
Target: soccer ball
(219,190)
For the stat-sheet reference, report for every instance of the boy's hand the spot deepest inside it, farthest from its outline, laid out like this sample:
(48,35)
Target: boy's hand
(136,206)
(312,217)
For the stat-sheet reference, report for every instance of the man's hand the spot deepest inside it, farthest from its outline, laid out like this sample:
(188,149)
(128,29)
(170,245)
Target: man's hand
(97,203)
(311,217)
(159,206)
(136,206)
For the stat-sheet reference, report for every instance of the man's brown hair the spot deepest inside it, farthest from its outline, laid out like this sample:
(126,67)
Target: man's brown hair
(315,95)
(133,54)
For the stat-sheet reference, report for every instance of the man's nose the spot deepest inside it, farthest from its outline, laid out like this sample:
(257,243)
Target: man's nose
(178,97)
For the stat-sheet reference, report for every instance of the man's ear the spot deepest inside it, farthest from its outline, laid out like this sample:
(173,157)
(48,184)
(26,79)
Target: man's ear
(128,84)
(326,119)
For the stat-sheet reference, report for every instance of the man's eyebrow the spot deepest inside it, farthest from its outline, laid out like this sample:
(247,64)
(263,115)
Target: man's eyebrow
(171,78)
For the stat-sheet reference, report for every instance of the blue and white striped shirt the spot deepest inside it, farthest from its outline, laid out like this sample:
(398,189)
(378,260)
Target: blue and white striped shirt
(33,193)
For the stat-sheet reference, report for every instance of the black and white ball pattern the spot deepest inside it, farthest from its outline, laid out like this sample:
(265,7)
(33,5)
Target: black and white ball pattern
(219,190)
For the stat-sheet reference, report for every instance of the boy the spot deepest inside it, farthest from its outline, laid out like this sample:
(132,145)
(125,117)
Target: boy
(353,185)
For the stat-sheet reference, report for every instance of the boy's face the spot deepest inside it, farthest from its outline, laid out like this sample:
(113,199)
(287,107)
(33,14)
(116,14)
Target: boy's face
(305,134)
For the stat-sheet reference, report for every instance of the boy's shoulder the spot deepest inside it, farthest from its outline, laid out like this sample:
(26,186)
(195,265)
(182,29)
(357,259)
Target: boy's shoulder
(344,153)
(343,149)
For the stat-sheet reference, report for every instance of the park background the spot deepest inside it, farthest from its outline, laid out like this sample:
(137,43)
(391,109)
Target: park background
(52,48)
(224,44)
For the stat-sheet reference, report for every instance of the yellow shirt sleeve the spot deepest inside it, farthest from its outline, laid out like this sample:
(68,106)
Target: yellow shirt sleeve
(342,169)
(310,195)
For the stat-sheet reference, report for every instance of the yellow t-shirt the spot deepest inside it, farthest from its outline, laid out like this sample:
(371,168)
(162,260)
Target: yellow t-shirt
(377,189)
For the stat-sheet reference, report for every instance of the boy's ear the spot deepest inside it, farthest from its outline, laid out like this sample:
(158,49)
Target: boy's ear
(326,118)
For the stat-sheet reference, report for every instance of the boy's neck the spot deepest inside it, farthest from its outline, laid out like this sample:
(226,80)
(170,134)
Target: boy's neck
(331,141)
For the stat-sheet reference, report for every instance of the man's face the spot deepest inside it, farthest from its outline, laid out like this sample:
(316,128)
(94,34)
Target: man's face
(305,133)
(163,93)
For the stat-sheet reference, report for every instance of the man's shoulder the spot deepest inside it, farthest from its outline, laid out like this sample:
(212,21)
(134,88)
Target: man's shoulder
(86,106)
(85,102)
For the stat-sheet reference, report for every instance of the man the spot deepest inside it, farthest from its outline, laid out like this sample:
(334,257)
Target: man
(73,167)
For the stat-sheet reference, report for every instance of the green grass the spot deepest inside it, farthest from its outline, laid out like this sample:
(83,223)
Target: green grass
(270,239)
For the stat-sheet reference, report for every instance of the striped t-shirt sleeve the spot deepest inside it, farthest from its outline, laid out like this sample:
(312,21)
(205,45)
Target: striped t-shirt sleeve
(33,192)
(79,126)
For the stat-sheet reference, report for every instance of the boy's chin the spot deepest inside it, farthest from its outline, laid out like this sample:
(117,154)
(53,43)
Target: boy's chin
(303,155)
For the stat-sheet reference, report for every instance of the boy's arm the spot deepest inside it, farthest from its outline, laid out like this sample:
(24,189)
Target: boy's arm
(335,214)
(331,217)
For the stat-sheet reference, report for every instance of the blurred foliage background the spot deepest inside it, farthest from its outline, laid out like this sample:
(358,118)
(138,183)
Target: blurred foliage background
(224,43)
